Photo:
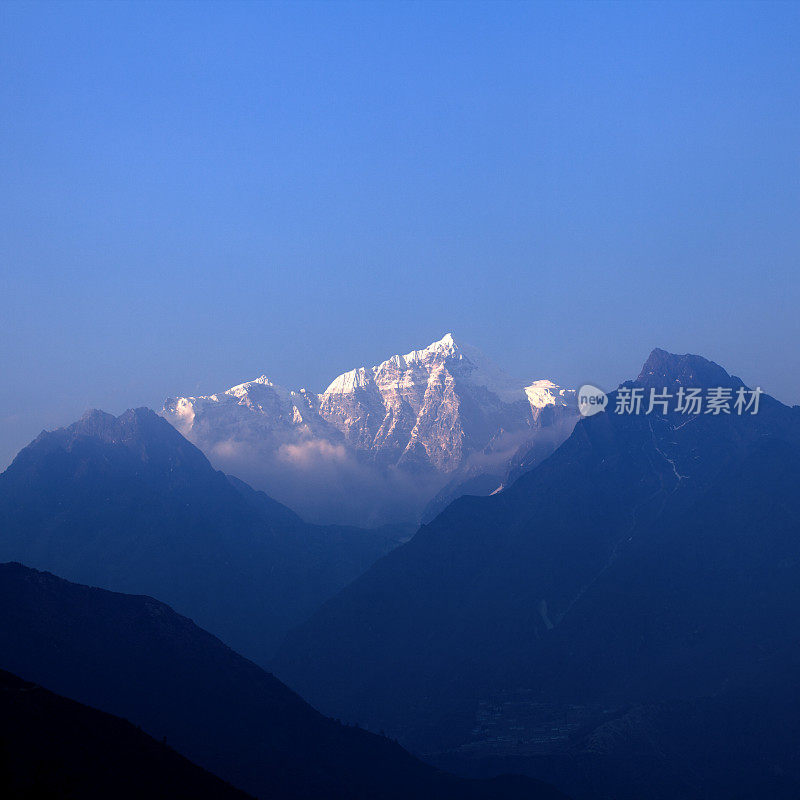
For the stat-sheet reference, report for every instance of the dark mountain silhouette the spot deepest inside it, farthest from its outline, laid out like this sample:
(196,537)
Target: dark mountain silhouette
(652,562)
(51,747)
(128,504)
(134,657)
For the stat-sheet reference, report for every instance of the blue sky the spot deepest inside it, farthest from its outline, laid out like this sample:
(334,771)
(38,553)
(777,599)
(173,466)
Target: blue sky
(194,194)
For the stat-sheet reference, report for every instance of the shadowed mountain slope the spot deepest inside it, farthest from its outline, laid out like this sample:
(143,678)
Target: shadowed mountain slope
(128,504)
(51,747)
(134,657)
(652,558)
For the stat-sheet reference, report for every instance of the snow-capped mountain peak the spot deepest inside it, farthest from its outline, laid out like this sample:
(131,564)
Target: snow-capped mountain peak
(244,388)
(432,412)
(349,382)
(544,393)
(397,365)
(445,347)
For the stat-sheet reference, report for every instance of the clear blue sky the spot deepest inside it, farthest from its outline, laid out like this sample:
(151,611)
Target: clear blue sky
(194,194)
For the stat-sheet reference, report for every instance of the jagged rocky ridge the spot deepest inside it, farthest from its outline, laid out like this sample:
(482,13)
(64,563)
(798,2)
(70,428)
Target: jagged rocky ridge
(380,442)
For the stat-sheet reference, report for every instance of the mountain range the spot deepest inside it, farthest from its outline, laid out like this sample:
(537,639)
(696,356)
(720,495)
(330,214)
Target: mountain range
(620,620)
(127,503)
(380,442)
(613,615)
(134,657)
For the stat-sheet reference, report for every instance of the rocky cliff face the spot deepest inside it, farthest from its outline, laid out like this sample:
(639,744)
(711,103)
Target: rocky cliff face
(436,412)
